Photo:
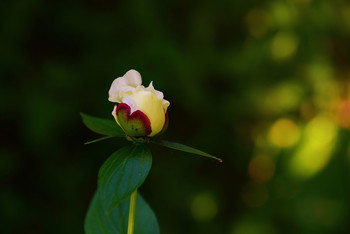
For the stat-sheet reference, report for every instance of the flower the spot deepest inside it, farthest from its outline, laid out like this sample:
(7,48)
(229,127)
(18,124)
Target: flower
(141,111)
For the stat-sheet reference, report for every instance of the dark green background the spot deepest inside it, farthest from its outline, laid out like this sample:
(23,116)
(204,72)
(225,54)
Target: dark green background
(230,69)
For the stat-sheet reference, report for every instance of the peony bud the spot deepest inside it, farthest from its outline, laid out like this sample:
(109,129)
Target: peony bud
(142,111)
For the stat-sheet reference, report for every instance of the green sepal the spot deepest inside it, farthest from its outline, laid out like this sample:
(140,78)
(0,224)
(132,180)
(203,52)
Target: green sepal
(98,140)
(102,126)
(184,148)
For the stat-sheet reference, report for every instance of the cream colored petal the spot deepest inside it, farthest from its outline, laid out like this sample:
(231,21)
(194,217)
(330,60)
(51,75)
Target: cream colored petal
(150,87)
(152,107)
(165,104)
(114,113)
(159,94)
(133,78)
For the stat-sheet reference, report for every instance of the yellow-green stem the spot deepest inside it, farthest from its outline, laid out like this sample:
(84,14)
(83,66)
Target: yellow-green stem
(132,210)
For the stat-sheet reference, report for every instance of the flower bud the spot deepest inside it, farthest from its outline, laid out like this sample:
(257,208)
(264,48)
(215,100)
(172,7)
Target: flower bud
(141,111)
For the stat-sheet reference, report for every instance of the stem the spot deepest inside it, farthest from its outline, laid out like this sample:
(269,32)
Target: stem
(132,212)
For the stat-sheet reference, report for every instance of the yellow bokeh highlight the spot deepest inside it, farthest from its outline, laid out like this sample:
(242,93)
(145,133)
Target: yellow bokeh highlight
(325,93)
(281,98)
(283,15)
(283,46)
(315,151)
(204,207)
(319,72)
(284,133)
(325,89)
(261,168)
(257,22)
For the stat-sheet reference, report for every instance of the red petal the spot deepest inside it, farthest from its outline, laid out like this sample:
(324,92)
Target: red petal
(135,124)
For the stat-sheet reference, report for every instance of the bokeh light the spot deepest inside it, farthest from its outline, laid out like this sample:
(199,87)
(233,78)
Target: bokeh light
(284,133)
(281,98)
(342,113)
(284,14)
(284,46)
(315,151)
(318,73)
(204,207)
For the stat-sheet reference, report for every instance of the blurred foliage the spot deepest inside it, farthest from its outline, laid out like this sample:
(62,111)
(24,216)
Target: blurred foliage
(262,84)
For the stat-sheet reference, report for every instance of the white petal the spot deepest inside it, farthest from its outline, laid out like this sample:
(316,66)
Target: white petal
(159,94)
(126,91)
(131,103)
(113,92)
(124,86)
(133,78)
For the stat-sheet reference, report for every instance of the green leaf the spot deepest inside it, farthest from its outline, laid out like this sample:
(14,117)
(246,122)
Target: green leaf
(96,222)
(123,172)
(102,126)
(98,139)
(185,148)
